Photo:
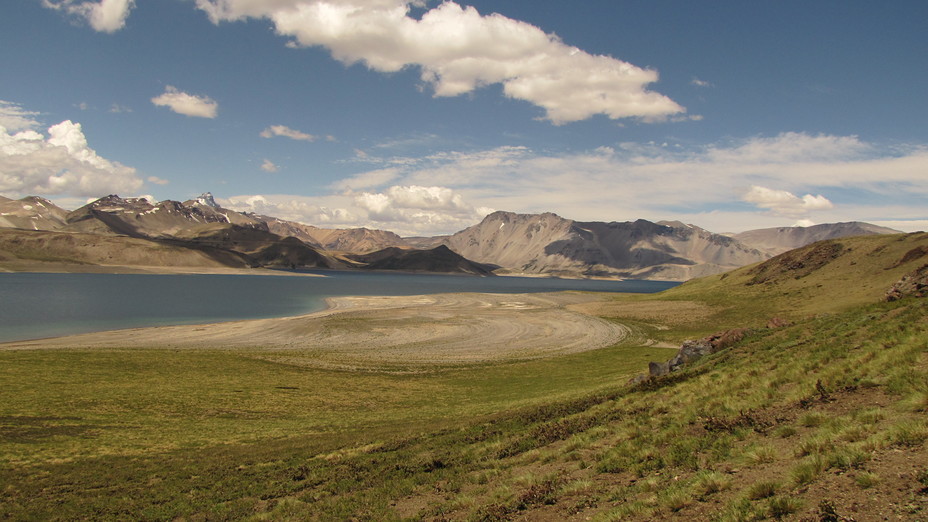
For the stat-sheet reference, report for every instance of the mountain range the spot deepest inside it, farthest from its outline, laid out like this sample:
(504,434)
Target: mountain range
(200,233)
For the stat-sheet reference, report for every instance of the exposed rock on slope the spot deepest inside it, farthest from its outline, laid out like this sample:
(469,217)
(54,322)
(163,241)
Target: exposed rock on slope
(439,259)
(913,284)
(778,240)
(549,244)
(694,350)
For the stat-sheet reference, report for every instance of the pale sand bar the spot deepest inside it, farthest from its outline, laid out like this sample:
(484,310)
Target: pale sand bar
(388,332)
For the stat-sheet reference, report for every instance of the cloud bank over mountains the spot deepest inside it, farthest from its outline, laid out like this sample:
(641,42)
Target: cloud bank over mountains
(751,183)
(754,183)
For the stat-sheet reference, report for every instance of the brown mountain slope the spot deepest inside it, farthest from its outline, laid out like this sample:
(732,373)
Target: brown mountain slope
(353,240)
(31,213)
(549,244)
(39,250)
(779,240)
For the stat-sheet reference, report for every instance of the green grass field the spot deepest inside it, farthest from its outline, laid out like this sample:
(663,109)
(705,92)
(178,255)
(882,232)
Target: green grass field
(828,415)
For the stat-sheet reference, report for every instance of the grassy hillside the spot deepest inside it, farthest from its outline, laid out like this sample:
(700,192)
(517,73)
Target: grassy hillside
(28,250)
(822,419)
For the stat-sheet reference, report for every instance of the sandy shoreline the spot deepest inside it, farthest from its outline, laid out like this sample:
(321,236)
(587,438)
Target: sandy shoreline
(387,332)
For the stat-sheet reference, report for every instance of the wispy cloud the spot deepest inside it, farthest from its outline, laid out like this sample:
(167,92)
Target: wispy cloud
(286,132)
(14,118)
(373,178)
(269,166)
(187,104)
(700,83)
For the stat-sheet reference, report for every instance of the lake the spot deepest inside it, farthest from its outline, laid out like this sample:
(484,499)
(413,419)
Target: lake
(49,305)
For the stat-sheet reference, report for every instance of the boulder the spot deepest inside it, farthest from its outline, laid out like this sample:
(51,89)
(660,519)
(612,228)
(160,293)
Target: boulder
(657,369)
(693,350)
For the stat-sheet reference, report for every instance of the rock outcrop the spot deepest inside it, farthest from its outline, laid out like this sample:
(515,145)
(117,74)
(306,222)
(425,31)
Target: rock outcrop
(691,351)
(913,284)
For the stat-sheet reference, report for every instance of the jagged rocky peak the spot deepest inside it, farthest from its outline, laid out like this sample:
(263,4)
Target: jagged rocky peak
(205,199)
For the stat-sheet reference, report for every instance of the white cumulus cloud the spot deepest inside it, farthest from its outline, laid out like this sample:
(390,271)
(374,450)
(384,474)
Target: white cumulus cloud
(187,104)
(785,203)
(459,50)
(106,16)
(61,163)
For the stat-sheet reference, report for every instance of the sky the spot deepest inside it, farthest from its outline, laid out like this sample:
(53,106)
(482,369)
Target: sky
(422,116)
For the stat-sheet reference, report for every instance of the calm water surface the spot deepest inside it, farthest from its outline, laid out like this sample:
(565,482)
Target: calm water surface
(48,305)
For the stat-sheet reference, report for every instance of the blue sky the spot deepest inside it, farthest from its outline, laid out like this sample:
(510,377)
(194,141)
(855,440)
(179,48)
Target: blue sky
(421,116)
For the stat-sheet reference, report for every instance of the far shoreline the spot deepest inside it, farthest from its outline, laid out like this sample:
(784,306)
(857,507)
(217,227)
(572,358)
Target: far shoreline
(56,323)
(64,268)
(68,268)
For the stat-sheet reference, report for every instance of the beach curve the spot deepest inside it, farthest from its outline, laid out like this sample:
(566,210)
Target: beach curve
(387,332)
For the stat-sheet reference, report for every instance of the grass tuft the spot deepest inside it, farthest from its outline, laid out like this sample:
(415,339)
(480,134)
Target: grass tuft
(762,490)
(866,480)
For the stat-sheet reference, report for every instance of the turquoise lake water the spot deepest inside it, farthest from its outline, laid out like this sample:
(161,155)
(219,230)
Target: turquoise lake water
(48,305)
